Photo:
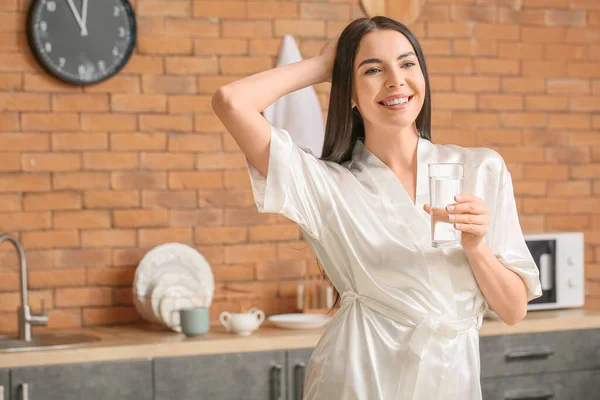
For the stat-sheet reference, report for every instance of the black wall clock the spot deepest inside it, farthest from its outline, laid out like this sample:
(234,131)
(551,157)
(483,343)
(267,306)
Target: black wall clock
(81,41)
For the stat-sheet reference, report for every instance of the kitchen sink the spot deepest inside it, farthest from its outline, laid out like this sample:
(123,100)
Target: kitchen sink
(46,341)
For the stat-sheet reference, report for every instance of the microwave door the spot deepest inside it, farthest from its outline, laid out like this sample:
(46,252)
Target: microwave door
(546,271)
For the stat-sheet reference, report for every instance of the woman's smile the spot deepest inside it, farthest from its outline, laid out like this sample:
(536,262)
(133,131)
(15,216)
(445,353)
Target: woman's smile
(398,103)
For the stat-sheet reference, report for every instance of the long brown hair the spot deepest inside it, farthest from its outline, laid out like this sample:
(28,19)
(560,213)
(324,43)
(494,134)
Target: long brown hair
(345,125)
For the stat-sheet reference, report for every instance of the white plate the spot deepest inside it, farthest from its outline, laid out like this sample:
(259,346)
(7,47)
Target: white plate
(299,320)
(166,258)
(170,283)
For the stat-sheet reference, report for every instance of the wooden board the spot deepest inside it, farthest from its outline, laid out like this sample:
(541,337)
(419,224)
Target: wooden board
(404,11)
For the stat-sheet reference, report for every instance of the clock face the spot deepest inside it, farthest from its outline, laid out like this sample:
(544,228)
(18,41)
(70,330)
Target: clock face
(82,41)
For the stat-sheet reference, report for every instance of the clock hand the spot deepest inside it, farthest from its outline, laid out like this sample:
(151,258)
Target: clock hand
(77,17)
(84,16)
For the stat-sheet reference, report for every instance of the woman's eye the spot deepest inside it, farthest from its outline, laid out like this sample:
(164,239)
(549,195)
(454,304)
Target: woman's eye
(408,64)
(371,70)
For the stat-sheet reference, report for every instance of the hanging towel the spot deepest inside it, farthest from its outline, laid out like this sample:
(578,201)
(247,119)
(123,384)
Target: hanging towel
(298,112)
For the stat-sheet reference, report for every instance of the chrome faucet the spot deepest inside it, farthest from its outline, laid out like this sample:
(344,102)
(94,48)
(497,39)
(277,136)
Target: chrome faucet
(26,319)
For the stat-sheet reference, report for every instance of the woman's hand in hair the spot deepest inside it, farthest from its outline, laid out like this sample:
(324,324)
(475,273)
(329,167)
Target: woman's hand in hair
(328,54)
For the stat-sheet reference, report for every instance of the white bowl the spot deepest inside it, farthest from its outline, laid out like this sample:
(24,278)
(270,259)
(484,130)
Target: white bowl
(299,320)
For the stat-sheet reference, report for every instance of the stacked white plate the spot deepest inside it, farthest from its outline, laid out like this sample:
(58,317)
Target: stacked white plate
(170,277)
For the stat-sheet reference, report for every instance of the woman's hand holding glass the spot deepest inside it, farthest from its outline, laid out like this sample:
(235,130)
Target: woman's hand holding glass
(470,215)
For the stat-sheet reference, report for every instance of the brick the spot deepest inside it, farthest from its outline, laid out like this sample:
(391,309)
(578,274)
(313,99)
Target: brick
(50,122)
(569,121)
(11,81)
(545,206)
(82,219)
(521,17)
(79,141)
(123,296)
(549,103)
(543,137)
(233,272)
(24,182)
(80,180)
(584,103)
(168,84)
(56,278)
(70,297)
(546,3)
(316,11)
(496,66)
(244,65)
(24,142)
(582,206)
(111,199)
(584,138)
(275,233)
(150,237)
(594,18)
(18,62)
(116,84)
(272,10)
(449,65)
(449,29)
(521,51)
(127,256)
(69,258)
(565,18)
(219,9)
(440,118)
(220,235)
(108,238)
(523,85)
(50,239)
(441,82)
(108,122)
(524,119)
(150,25)
(191,66)
(525,154)
(83,102)
(138,141)
(164,45)
(543,35)
(500,102)
(45,83)
(546,172)
(472,47)
(17,101)
(570,155)
(169,199)
(565,52)
(454,101)
(543,68)
(139,64)
(110,276)
(138,180)
(210,47)
(567,222)
(24,221)
(210,84)
(196,180)
(569,189)
(247,29)
(149,122)
(10,202)
(109,315)
(455,136)
(589,171)
(528,188)
(496,31)
(493,137)
(210,161)
(50,162)
(195,143)
(299,28)
(236,179)
(194,218)
(571,86)
(190,104)
(471,13)
(138,103)
(436,46)
(10,162)
(225,198)
(254,252)
(176,8)
(284,269)
(9,122)
(52,201)
(166,161)
(107,161)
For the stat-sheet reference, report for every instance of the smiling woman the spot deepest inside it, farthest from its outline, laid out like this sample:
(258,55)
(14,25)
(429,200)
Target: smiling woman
(410,313)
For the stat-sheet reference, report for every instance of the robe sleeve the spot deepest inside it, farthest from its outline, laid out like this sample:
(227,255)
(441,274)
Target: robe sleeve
(298,185)
(507,241)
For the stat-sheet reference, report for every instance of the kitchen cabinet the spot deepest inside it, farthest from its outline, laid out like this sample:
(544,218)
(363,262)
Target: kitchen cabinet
(296,363)
(233,376)
(123,380)
(4,384)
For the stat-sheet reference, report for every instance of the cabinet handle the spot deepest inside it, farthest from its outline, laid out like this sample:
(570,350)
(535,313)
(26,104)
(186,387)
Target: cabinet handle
(24,391)
(276,382)
(1,392)
(299,380)
(529,354)
(529,394)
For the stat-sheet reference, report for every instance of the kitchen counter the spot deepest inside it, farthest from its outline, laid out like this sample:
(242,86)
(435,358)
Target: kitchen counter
(135,342)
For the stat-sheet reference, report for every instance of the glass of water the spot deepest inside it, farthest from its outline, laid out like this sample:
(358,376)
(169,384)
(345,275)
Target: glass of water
(445,182)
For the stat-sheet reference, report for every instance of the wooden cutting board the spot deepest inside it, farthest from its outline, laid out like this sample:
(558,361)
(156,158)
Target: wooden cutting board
(405,11)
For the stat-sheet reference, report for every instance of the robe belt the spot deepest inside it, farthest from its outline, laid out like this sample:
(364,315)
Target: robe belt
(429,353)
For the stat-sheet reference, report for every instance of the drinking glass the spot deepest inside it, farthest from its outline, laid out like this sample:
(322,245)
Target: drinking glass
(445,182)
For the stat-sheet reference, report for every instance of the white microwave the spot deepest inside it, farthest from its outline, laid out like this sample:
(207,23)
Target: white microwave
(560,260)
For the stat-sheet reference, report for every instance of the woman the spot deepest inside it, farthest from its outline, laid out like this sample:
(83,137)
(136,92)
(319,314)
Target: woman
(410,313)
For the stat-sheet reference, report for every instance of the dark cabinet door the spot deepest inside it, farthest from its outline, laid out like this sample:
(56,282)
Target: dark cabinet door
(248,376)
(578,385)
(4,389)
(123,380)
(297,360)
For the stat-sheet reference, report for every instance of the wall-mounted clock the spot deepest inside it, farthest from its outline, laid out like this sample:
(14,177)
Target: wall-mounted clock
(81,41)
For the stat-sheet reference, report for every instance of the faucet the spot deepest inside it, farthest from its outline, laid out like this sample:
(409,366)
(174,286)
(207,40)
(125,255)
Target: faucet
(26,318)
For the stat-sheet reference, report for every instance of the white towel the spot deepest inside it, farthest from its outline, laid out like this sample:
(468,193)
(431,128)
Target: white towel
(298,112)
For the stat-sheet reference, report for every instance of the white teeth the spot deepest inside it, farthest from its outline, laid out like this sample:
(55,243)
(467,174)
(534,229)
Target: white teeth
(399,100)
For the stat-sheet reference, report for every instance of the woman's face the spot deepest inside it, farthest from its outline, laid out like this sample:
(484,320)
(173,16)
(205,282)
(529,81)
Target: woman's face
(389,87)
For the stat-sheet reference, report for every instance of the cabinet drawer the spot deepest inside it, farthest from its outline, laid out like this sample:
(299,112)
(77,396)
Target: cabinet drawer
(579,385)
(539,352)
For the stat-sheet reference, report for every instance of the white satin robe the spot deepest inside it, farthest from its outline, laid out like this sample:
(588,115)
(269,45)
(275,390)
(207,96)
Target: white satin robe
(410,315)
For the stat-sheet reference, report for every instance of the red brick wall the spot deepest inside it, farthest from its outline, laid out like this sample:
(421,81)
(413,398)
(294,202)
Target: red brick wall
(91,178)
